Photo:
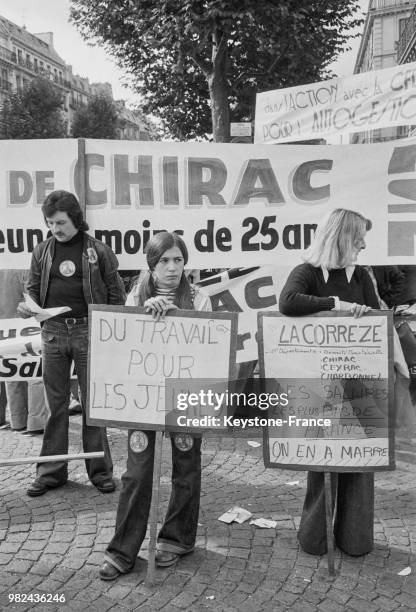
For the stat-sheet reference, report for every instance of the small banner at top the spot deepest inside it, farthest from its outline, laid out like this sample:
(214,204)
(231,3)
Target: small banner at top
(359,103)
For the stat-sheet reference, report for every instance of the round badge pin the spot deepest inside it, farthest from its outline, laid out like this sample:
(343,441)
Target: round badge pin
(67,268)
(183,442)
(138,441)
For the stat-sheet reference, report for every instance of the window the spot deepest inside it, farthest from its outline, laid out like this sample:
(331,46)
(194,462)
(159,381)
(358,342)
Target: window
(402,25)
(389,34)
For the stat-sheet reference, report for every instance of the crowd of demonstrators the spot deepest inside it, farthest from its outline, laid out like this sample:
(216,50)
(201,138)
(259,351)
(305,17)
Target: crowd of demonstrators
(330,280)
(73,269)
(163,288)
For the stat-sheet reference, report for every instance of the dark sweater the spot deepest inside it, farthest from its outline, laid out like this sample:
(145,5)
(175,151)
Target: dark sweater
(65,285)
(306,291)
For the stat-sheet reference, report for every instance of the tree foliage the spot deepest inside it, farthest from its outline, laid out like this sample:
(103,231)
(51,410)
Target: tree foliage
(198,63)
(97,119)
(34,112)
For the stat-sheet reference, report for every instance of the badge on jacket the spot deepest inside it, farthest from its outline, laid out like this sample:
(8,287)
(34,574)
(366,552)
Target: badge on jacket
(92,255)
(183,442)
(67,268)
(138,441)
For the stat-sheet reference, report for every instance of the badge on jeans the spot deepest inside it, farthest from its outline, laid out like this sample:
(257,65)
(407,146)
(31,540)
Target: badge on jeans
(67,268)
(138,441)
(183,442)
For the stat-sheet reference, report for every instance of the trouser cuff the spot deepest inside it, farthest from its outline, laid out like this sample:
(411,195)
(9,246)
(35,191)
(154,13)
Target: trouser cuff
(167,546)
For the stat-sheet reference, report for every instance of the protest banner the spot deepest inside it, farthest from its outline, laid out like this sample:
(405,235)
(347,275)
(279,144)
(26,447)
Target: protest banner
(232,201)
(30,169)
(357,103)
(20,354)
(132,357)
(246,291)
(338,373)
(232,204)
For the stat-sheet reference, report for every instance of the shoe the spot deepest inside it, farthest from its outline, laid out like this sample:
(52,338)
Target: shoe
(74,407)
(33,432)
(5,425)
(108,571)
(164,558)
(106,486)
(37,488)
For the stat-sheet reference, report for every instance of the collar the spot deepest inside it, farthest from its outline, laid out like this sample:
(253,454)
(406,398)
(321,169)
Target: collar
(349,271)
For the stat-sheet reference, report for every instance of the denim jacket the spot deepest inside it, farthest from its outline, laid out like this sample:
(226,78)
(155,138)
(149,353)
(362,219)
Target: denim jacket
(101,282)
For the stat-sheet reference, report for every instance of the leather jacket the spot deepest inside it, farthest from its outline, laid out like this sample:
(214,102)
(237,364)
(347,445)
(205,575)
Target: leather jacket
(101,282)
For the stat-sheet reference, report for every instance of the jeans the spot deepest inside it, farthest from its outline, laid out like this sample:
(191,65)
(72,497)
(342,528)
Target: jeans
(354,516)
(3,402)
(26,400)
(63,343)
(178,532)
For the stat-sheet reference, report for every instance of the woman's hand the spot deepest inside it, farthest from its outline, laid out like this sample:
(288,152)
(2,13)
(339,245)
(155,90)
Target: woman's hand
(158,306)
(23,311)
(357,310)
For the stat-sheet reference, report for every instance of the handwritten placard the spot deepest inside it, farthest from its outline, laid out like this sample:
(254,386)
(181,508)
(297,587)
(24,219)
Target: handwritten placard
(132,356)
(337,372)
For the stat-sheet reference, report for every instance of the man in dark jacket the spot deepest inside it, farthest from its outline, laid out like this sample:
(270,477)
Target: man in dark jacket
(70,269)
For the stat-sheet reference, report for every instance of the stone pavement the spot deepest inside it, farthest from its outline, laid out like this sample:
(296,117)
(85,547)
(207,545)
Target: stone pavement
(54,544)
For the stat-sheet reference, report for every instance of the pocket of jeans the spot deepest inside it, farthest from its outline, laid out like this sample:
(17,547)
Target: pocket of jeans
(48,337)
(80,341)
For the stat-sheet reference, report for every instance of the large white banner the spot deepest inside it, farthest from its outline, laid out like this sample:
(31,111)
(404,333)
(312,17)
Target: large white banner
(361,102)
(235,204)
(30,169)
(241,205)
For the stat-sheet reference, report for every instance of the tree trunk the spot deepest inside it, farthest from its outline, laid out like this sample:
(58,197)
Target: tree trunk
(220,111)
(218,91)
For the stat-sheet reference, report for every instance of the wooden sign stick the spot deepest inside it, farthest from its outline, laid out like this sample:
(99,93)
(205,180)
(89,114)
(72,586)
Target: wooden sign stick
(48,458)
(329,522)
(151,565)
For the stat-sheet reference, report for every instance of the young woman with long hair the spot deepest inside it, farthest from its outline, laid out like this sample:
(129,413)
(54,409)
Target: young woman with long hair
(164,287)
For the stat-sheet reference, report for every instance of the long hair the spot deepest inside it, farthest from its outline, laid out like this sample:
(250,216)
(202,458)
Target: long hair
(335,239)
(155,248)
(64,201)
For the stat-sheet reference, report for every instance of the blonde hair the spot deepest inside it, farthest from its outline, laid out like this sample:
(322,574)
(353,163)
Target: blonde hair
(335,239)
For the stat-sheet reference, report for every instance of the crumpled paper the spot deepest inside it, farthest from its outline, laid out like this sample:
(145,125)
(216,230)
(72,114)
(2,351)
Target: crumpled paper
(235,514)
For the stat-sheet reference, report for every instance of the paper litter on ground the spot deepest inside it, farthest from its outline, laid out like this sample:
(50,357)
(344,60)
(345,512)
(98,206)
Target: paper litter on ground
(264,523)
(236,514)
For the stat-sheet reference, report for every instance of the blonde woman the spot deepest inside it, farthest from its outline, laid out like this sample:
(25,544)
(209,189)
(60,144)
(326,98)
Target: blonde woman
(330,280)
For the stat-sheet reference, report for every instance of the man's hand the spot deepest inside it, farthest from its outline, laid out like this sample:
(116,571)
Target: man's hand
(23,311)
(158,306)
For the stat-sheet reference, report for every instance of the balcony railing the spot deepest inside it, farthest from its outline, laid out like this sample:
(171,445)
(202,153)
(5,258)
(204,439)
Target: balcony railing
(406,36)
(6,54)
(381,4)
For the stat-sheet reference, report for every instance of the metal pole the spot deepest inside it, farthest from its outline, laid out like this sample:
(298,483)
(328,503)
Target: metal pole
(47,458)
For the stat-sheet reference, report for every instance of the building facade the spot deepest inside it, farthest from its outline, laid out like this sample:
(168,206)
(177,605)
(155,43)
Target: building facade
(406,47)
(25,56)
(384,24)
